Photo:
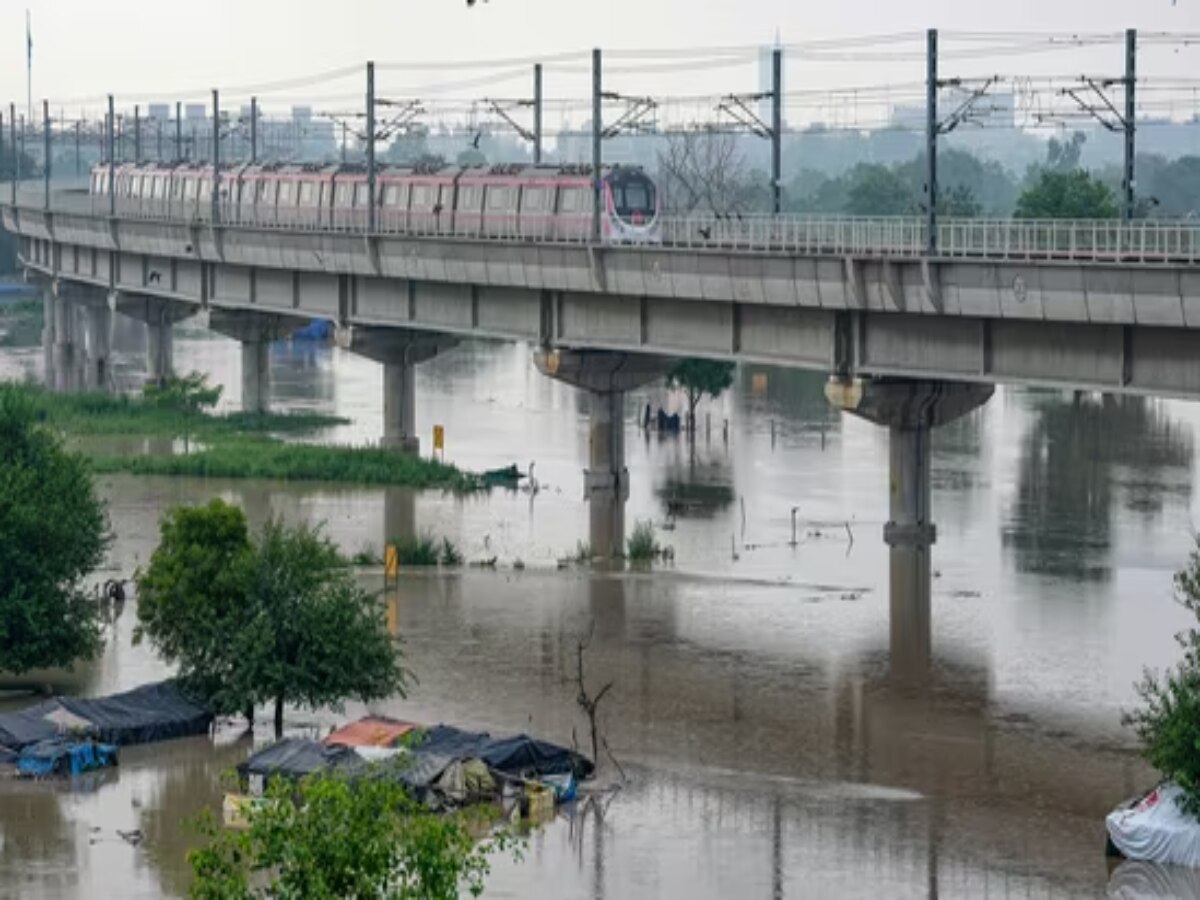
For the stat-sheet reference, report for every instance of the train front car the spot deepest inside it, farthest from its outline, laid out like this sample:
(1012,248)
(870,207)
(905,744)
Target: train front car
(631,203)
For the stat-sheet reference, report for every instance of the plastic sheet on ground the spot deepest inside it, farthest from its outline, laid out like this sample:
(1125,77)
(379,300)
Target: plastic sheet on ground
(1156,829)
(153,712)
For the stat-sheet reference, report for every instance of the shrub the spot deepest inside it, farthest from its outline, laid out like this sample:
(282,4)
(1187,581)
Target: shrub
(417,550)
(1168,723)
(642,545)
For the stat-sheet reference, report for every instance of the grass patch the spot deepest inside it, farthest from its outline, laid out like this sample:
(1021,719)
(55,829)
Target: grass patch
(236,445)
(451,557)
(642,545)
(250,457)
(417,550)
(98,413)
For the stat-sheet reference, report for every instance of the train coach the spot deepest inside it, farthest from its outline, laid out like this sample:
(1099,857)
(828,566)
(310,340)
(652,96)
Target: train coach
(502,201)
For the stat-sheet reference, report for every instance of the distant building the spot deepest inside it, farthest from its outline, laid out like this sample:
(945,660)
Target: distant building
(159,112)
(195,112)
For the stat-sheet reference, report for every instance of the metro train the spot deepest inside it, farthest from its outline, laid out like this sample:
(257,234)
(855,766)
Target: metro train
(500,201)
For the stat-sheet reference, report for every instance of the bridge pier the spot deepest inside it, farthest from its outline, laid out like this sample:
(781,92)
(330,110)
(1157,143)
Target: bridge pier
(606,376)
(76,337)
(399,351)
(159,316)
(910,410)
(256,332)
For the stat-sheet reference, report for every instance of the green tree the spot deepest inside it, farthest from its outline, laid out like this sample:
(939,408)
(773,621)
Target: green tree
(51,535)
(189,395)
(959,203)
(279,619)
(337,838)
(1066,195)
(697,377)
(876,190)
(1168,722)
(193,593)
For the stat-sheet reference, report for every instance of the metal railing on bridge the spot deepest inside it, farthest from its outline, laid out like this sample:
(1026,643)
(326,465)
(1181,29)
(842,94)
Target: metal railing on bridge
(1148,242)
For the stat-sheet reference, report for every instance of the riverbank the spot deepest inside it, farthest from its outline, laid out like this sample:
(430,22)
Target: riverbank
(232,445)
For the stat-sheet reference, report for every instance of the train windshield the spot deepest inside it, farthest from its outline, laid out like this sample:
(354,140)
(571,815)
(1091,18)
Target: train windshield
(634,198)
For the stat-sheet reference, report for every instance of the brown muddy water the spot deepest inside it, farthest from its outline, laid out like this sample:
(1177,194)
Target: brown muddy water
(769,751)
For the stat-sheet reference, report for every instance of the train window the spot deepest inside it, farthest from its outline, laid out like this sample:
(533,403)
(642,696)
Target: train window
(469,198)
(500,198)
(534,199)
(306,193)
(287,193)
(575,200)
(206,188)
(360,194)
(266,192)
(390,194)
(343,193)
(421,197)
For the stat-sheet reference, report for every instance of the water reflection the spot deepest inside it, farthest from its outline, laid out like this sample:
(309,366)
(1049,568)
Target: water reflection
(1073,466)
(773,744)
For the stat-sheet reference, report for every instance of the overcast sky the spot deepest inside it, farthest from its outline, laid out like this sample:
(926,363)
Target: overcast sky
(83,48)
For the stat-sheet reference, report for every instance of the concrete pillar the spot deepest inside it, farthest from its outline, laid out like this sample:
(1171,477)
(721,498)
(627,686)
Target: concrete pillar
(606,480)
(256,331)
(160,351)
(400,407)
(910,409)
(256,375)
(97,347)
(48,339)
(400,351)
(159,316)
(64,362)
(606,376)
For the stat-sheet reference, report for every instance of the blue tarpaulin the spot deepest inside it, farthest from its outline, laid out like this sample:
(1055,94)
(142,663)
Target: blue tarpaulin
(60,757)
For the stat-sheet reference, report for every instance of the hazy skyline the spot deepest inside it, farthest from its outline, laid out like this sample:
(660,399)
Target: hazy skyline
(85,48)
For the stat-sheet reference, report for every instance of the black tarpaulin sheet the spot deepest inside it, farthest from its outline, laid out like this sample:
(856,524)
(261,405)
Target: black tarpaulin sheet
(153,712)
(519,755)
(297,757)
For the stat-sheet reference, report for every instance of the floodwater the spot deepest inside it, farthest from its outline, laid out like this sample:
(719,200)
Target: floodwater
(767,749)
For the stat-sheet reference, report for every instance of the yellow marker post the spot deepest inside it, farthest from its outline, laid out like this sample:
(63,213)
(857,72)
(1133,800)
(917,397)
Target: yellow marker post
(391,563)
(439,440)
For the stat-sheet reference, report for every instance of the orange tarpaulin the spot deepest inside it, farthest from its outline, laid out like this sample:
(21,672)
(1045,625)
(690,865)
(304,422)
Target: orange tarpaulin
(370,731)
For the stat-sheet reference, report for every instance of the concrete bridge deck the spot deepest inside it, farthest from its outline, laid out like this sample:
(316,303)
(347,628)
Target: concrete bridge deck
(1090,305)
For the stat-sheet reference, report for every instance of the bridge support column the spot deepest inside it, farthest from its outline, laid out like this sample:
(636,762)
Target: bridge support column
(606,376)
(910,410)
(400,351)
(76,337)
(97,346)
(159,317)
(256,331)
(63,327)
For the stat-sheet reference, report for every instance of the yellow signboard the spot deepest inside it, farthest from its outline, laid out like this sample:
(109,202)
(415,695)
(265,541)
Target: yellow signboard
(391,561)
(439,437)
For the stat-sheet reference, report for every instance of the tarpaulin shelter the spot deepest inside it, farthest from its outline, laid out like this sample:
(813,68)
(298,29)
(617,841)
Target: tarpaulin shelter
(153,712)
(297,757)
(63,757)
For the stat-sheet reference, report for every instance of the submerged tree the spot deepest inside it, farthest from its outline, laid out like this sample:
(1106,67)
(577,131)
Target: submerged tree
(280,619)
(698,377)
(331,837)
(1168,722)
(51,536)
